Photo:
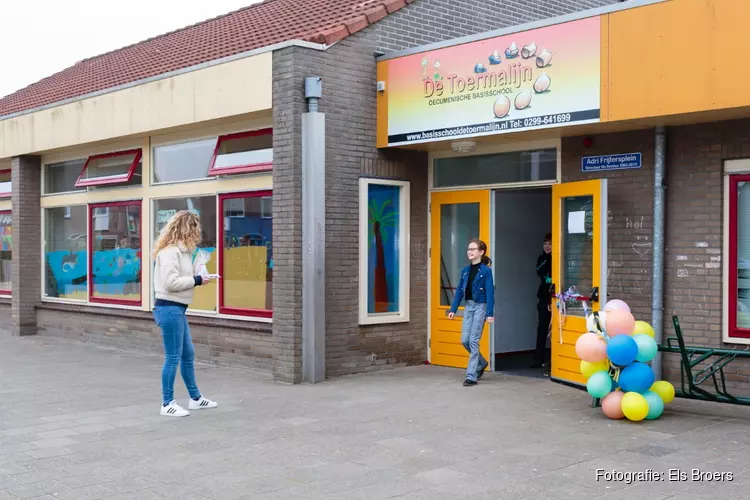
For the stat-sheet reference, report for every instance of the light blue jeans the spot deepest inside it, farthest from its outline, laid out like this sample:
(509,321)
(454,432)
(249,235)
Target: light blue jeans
(475,314)
(178,350)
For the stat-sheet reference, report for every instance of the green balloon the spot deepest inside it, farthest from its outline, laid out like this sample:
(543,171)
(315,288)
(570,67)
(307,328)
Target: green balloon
(599,384)
(647,347)
(655,405)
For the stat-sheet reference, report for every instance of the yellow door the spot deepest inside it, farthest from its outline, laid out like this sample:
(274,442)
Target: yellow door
(456,218)
(579,259)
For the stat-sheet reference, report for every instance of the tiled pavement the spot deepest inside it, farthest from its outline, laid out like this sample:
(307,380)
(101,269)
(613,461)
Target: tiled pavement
(81,422)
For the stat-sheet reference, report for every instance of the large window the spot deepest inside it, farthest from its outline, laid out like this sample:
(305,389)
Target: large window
(739,256)
(500,168)
(65,253)
(61,177)
(205,298)
(244,152)
(115,253)
(6,235)
(246,264)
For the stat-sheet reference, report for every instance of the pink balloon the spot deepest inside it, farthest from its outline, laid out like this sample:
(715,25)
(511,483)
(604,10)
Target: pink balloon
(591,347)
(611,405)
(619,323)
(616,305)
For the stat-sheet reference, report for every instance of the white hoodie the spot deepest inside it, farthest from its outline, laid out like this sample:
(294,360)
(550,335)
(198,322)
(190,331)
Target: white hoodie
(173,275)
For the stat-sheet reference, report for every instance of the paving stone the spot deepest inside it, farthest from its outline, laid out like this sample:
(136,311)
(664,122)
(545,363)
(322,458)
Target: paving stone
(410,433)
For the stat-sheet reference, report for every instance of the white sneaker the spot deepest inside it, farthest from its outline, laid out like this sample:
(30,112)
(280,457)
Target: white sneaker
(202,404)
(174,410)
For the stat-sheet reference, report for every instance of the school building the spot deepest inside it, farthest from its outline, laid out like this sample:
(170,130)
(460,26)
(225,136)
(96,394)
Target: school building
(340,161)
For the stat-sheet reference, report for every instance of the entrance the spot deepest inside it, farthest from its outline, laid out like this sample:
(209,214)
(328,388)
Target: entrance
(513,222)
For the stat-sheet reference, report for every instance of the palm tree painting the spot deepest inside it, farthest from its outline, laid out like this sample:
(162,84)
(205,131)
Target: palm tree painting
(383,248)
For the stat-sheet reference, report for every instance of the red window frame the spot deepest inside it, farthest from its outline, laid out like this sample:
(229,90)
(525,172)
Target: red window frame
(8,193)
(258,313)
(239,169)
(81,182)
(734,331)
(90,260)
(4,291)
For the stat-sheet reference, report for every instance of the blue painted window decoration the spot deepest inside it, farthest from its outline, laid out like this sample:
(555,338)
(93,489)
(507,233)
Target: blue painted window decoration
(384,250)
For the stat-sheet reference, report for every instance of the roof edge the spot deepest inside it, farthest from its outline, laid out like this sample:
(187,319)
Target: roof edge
(163,76)
(551,21)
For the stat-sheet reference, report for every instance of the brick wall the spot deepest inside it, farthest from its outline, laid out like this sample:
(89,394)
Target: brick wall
(26,274)
(223,342)
(348,71)
(694,228)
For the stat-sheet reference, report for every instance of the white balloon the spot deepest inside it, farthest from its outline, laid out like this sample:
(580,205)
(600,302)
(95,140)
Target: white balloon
(591,324)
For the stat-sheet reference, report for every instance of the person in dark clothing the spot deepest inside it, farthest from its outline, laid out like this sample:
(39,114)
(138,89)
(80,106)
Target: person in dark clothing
(544,310)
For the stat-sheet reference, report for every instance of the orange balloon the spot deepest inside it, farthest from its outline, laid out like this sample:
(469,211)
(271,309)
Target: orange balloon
(619,322)
(591,347)
(611,405)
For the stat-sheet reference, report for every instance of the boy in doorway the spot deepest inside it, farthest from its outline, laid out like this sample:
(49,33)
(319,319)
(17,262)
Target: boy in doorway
(544,310)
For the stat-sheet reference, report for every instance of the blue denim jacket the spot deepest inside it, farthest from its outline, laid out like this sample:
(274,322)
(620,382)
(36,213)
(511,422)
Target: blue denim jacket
(482,289)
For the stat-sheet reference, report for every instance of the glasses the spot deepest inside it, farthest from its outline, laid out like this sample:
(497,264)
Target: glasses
(472,249)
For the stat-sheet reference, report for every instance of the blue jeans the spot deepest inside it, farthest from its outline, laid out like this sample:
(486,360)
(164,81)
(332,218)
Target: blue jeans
(475,314)
(178,350)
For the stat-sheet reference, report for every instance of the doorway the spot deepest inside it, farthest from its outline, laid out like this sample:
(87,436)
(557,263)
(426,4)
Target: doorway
(521,219)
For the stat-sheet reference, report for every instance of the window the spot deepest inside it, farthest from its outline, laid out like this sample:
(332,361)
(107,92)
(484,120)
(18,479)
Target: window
(115,253)
(384,251)
(61,177)
(5,184)
(246,264)
(183,162)
(6,235)
(243,153)
(65,253)
(739,256)
(123,167)
(205,297)
(501,168)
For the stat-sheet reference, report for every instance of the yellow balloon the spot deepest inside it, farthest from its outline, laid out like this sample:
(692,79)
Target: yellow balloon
(643,328)
(664,389)
(634,406)
(588,368)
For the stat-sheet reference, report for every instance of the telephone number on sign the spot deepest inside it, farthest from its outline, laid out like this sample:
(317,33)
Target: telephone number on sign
(546,120)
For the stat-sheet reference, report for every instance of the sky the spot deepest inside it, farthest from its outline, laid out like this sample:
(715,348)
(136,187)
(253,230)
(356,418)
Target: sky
(41,37)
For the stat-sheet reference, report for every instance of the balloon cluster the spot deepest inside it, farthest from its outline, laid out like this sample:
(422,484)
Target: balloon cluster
(615,356)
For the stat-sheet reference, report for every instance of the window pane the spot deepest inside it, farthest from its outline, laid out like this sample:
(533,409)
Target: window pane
(247,271)
(459,223)
(6,235)
(116,243)
(578,250)
(65,253)
(743,255)
(113,168)
(383,249)
(517,166)
(5,183)
(205,298)
(61,177)
(183,162)
(244,151)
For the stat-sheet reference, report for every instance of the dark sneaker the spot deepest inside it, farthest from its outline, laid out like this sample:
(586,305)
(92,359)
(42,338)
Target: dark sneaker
(480,373)
(469,383)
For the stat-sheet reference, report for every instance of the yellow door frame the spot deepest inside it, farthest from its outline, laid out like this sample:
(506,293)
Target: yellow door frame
(444,335)
(565,362)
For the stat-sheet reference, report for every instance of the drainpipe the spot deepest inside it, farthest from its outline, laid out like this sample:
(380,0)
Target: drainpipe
(657,272)
(313,235)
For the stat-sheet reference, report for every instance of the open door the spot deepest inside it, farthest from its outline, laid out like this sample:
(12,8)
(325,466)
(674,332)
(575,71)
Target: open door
(456,218)
(579,259)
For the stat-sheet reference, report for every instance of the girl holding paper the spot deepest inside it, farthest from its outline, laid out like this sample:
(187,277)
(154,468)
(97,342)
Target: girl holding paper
(174,283)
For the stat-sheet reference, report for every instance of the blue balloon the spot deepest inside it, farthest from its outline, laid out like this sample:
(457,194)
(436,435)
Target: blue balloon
(622,350)
(647,347)
(655,405)
(636,377)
